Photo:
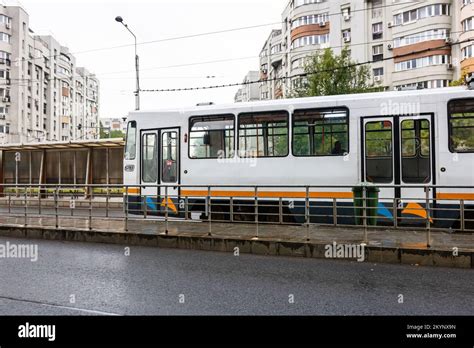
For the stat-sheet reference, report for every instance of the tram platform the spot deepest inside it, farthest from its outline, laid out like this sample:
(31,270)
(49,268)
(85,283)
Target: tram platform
(381,245)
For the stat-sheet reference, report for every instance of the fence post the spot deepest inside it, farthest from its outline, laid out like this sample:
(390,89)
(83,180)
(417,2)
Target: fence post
(39,200)
(395,212)
(166,209)
(364,213)
(186,208)
(26,207)
(428,217)
(90,212)
(145,207)
(209,210)
(307,213)
(56,198)
(280,211)
(107,203)
(256,211)
(126,209)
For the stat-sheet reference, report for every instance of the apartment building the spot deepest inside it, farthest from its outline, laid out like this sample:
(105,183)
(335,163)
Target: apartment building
(249,91)
(411,44)
(114,124)
(44,96)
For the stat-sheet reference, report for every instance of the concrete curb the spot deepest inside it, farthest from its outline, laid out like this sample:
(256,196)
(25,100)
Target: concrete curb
(373,254)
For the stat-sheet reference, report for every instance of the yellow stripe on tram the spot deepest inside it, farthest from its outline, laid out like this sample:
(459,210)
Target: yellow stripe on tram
(455,196)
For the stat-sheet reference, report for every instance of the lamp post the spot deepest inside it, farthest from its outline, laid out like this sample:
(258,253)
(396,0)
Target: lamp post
(137,64)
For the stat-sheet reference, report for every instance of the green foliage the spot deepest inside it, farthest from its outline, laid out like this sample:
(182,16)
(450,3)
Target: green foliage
(461,81)
(330,74)
(105,133)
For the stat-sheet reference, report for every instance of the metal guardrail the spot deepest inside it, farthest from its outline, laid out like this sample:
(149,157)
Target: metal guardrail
(284,205)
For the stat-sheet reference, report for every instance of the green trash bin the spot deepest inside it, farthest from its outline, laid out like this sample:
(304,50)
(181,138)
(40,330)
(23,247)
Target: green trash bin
(372,204)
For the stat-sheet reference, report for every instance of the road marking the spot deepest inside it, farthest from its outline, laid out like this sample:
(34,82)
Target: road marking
(60,306)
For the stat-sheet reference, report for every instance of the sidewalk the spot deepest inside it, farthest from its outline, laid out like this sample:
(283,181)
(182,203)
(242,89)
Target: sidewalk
(394,246)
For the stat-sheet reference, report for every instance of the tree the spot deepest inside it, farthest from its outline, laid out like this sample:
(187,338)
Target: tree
(462,80)
(330,74)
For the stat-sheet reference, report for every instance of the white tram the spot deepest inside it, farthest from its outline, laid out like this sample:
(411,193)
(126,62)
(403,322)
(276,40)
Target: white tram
(399,141)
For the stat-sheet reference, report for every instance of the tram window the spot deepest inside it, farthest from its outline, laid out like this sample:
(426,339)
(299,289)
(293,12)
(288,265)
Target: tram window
(416,151)
(379,152)
(169,157)
(263,134)
(321,132)
(131,146)
(149,159)
(211,137)
(461,125)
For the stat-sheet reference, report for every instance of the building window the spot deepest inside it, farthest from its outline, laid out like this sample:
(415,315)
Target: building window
(5,20)
(421,13)
(4,37)
(422,62)
(377,10)
(275,49)
(263,134)
(377,53)
(461,125)
(211,137)
(298,3)
(436,34)
(321,132)
(346,35)
(468,52)
(377,31)
(308,20)
(310,40)
(468,24)
(378,72)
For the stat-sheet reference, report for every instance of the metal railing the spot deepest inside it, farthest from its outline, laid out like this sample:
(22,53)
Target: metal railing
(334,206)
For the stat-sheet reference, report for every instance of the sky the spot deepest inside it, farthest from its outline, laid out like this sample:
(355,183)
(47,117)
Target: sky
(89,25)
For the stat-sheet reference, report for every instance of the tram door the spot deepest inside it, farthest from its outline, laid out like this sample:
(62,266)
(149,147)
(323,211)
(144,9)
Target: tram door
(398,150)
(160,166)
(169,169)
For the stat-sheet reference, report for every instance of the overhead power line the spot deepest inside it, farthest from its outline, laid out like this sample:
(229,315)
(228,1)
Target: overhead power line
(305,74)
(189,36)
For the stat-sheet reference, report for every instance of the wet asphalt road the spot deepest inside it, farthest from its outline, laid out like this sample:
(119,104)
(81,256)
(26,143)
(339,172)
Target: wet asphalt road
(151,281)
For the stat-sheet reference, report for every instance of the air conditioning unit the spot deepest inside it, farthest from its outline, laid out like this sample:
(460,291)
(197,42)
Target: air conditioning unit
(3,117)
(390,47)
(377,78)
(347,17)
(390,24)
(450,67)
(8,25)
(264,71)
(347,39)
(6,99)
(322,24)
(448,40)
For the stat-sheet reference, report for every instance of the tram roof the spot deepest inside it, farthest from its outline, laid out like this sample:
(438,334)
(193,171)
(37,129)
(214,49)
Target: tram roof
(323,99)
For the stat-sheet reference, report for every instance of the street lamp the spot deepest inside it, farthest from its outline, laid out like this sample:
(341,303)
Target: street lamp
(137,64)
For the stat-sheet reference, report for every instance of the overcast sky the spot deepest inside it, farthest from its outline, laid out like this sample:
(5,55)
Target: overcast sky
(84,25)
